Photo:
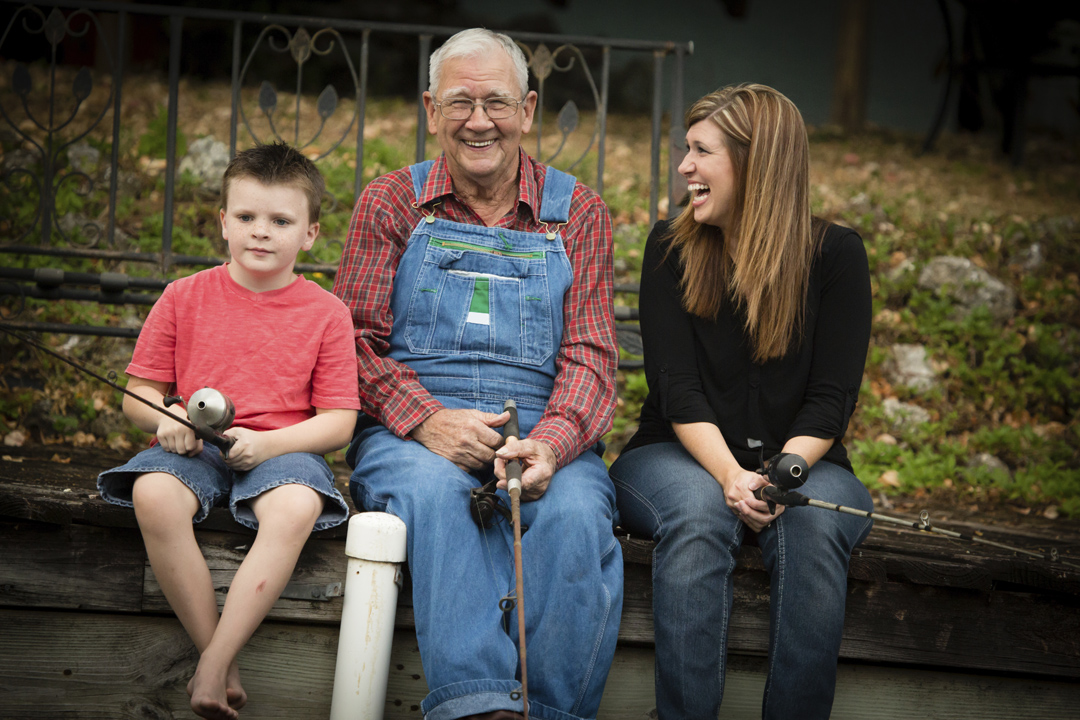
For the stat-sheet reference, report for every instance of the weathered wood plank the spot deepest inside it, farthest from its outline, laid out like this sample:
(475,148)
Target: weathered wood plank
(81,665)
(320,567)
(61,492)
(905,623)
(35,486)
(71,567)
(65,567)
(100,666)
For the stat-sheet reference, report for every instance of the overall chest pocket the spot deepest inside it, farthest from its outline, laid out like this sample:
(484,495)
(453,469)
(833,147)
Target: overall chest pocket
(470,299)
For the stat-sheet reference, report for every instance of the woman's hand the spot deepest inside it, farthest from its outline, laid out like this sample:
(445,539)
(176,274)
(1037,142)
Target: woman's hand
(739,488)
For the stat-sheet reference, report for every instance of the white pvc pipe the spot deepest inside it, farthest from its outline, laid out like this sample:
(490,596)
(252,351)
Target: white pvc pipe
(375,546)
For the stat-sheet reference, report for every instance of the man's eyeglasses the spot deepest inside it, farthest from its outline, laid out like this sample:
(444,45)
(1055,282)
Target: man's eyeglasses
(497,108)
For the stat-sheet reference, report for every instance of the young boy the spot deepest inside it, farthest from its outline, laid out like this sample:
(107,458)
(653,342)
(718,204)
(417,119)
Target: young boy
(282,349)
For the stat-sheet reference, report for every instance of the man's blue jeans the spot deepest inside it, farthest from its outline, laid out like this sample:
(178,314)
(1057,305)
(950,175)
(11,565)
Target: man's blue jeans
(572,578)
(663,493)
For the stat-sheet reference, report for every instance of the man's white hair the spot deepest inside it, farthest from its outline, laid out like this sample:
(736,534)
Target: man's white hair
(473,43)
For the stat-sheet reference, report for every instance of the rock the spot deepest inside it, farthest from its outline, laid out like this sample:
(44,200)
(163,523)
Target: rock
(19,159)
(109,421)
(909,366)
(859,206)
(1032,258)
(990,462)
(84,157)
(969,286)
(628,235)
(904,416)
(903,268)
(79,228)
(206,159)
(127,183)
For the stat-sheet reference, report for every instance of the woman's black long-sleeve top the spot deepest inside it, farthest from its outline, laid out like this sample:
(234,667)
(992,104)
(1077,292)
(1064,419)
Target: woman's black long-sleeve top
(701,370)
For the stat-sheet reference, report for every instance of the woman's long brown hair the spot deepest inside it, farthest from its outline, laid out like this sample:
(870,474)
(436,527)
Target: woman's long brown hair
(763,262)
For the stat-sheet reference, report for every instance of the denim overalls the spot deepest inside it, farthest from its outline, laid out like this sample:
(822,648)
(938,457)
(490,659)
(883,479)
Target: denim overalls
(478,314)
(478,311)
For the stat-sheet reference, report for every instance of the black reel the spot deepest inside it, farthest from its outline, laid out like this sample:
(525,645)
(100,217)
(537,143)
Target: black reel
(484,503)
(785,472)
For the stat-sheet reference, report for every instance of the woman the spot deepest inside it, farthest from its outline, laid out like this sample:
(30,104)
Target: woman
(755,320)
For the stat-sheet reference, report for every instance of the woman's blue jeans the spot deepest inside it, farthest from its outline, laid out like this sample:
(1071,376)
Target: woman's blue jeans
(664,494)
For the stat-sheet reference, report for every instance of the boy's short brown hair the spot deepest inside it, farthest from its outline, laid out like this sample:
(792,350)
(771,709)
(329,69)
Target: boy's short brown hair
(277,163)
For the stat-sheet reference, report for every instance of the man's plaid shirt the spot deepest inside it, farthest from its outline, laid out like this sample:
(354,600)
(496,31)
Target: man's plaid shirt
(583,400)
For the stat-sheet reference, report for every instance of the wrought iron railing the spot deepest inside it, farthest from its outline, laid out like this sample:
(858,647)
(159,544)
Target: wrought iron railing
(47,108)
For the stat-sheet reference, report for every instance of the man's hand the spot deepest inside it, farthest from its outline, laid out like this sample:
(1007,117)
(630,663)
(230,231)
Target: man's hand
(464,437)
(537,466)
(250,449)
(176,438)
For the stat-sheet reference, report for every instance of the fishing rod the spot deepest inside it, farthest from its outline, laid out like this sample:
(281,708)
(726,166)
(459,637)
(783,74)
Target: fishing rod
(787,471)
(483,504)
(513,489)
(209,411)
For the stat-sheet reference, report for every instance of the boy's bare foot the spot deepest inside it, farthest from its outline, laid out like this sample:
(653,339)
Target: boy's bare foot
(234,692)
(209,696)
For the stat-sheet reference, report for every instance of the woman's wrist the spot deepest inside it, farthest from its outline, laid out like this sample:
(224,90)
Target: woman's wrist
(727,476)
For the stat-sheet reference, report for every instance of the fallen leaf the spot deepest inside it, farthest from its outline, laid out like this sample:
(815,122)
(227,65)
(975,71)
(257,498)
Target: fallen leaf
(1020,510)
(120,443)
(57,459)
(890,478)
(886,439)
(1051,512)
(12,459)
(15,438)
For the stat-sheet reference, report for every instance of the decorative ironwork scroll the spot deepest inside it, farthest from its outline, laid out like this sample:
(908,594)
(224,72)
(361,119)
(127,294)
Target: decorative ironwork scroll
(542,62)
(37,168)
(303,47)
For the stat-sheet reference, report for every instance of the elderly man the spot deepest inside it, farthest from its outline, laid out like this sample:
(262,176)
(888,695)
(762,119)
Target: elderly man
(478,277)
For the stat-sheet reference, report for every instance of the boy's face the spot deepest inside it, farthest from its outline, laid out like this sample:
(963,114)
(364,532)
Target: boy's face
(266,226)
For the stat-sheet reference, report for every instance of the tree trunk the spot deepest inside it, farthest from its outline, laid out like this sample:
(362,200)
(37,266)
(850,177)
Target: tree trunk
(852,66)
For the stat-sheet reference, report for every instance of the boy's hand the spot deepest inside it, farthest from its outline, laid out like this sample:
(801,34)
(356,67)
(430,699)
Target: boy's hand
(176,438)
(251,448)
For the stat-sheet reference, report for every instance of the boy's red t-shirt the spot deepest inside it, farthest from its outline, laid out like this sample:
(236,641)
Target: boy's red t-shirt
(277,355)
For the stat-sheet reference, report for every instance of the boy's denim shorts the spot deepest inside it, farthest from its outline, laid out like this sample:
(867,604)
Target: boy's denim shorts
(213,481)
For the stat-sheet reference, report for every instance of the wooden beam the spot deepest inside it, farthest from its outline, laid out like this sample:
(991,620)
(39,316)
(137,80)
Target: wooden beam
(102,666)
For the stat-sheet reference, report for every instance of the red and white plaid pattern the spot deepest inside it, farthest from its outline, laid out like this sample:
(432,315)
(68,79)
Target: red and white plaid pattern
(581,405)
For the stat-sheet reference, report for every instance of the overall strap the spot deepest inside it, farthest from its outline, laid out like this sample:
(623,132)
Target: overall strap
(419,174)
(555,203)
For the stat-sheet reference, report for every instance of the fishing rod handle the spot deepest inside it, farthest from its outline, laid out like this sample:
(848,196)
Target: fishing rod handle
(512,430)
(222,442)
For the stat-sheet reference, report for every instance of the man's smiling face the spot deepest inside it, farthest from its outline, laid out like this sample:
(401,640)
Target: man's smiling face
(480,151)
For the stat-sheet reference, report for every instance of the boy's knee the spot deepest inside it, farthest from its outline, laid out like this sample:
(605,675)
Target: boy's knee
(159,497)
(290,507)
